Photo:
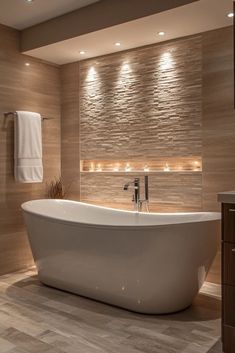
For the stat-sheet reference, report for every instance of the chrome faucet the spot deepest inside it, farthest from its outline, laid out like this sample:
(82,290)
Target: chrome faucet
(138,203)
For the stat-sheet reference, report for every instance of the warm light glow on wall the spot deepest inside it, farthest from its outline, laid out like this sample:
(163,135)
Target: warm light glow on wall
(166,61)
(91,75)
(123,82)
(166,168)
(146,168)
(197,165)
(116,168)
(125,68)
(92,167)
(99,168)
(93,82)
(128,167)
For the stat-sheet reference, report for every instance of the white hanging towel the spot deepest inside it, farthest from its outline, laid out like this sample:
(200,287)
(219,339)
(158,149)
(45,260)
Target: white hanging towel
(28,147)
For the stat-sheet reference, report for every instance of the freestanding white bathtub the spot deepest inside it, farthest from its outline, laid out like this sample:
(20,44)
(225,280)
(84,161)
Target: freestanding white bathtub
(150,263)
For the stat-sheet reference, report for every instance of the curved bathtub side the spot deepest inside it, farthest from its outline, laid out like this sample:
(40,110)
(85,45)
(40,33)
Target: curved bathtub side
(154,270)
(78,212)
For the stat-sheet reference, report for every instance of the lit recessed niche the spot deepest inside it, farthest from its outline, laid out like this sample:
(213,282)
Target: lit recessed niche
(116,168)
(166,168)
(127,167)
(146,168)
(99,167)
(190,164)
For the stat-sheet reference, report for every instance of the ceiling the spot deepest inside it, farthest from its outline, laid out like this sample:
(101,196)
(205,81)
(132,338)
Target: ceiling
(197,17)
(19,14)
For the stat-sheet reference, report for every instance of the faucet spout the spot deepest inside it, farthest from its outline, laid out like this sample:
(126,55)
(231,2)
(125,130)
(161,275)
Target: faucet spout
(126,186)
(136,196)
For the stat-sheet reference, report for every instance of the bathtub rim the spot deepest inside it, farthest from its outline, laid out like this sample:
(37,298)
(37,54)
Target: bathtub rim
(109,226)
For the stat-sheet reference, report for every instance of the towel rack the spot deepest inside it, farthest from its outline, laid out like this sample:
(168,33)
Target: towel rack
(6,114)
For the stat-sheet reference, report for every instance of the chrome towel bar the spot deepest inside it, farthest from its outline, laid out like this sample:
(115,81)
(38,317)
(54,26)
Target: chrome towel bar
(6,114)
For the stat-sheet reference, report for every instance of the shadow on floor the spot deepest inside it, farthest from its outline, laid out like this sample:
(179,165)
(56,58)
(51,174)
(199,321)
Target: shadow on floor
(204,308)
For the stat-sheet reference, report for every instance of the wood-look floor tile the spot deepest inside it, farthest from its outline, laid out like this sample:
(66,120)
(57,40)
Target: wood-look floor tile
(35,318)
(5,345)
(28,343)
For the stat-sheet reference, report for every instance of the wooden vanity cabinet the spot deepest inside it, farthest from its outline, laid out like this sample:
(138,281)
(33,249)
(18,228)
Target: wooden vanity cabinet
(228,277)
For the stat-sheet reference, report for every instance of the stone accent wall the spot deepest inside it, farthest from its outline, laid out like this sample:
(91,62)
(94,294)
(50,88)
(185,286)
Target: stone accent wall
(167,191)
(144,103)
(141,105)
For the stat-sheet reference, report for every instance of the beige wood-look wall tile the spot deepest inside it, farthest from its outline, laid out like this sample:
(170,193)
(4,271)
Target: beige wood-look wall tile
(33,88)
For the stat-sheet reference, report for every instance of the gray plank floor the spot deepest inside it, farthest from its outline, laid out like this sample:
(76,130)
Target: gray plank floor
(35,318)
(217,348)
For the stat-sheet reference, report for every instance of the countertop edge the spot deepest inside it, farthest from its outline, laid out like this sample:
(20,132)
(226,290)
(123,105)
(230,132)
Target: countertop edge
(226,197)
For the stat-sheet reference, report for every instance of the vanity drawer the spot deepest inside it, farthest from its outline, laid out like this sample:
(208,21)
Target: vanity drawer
(229,306)
(228,339)
(228,264)
(228,233)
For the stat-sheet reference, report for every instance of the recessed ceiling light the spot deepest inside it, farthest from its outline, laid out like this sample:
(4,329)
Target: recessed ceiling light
(27,64)
(161,33)
(117,44)
(29,1)
(230,14)
(82,52)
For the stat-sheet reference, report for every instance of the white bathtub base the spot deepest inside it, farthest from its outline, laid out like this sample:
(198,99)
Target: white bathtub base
(147,268)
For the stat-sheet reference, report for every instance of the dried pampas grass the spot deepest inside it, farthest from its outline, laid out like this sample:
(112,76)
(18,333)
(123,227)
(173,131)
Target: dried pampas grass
(55,189)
